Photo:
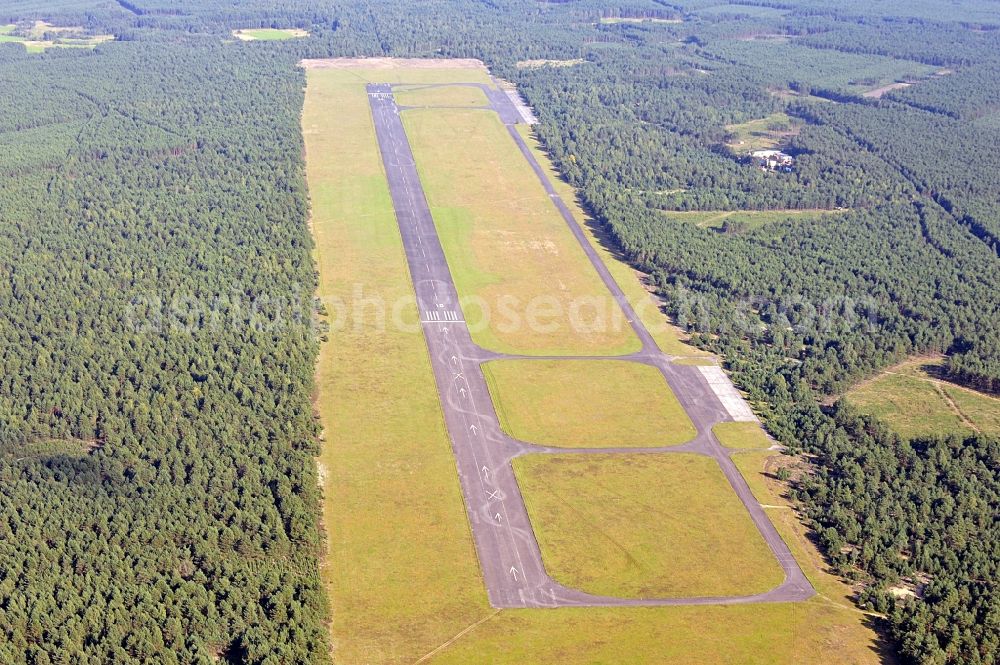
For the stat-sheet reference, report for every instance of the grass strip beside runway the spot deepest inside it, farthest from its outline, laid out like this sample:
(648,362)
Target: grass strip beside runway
(401,572)
(742,436)
(508,248)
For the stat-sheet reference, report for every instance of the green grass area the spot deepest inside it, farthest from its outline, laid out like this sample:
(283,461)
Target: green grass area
(441,96)
(7,37)
(50,448)
(786,633)
(394,518)
(911,406)
(526,284)
(738,221)
(742,435)
(762,133)
(753,466)
(586,403)
(982,410)
(644,526)
(668,337)
(269,34)
(914,402)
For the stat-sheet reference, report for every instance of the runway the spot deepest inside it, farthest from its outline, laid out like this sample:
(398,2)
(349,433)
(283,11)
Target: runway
(509,556)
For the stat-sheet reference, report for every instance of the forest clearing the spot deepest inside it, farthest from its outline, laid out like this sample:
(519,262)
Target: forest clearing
(374,603)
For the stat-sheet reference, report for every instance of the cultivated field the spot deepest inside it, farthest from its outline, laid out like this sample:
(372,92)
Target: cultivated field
(401,571)
(524,277)
(637,526)
(586,403)
(915,402)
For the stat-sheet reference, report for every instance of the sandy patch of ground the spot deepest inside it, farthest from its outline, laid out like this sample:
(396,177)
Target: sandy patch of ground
(536,64)
(878,92)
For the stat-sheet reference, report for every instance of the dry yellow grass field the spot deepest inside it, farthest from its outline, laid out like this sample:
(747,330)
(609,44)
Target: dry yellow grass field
(752,465)
(586,403)
(400,570)
(637,526)
(915,402)
(742,435)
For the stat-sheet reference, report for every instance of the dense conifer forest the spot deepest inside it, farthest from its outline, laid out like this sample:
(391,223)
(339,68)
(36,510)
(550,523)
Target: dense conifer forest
(157,489)
(156,432)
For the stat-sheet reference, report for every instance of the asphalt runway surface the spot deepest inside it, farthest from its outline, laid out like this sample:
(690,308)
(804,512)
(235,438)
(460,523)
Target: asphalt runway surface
(509,556)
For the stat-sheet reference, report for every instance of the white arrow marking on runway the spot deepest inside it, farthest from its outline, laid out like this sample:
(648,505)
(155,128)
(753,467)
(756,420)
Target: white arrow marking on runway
(454,360)
(462,391)
(486,473)
(513,571)
(498,518)
(474,429)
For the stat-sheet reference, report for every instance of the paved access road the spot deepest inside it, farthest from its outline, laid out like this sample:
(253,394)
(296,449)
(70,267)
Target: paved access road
(508,552)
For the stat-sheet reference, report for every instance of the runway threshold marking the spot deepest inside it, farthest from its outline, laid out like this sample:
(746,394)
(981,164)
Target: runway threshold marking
(441,316)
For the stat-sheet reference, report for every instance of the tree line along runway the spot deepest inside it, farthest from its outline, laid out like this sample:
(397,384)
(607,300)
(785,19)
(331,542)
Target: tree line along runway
(508,551)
